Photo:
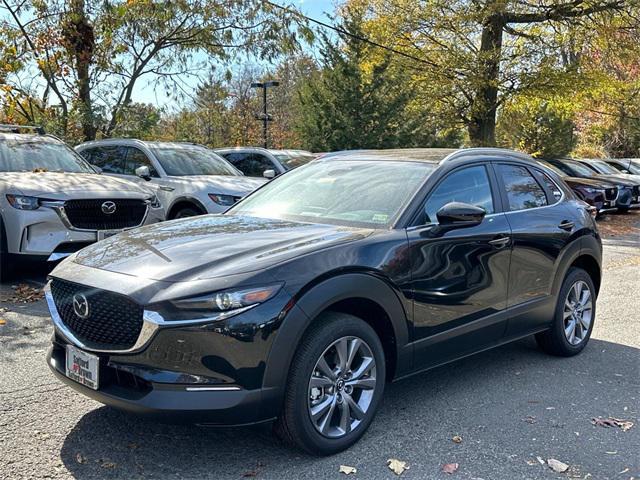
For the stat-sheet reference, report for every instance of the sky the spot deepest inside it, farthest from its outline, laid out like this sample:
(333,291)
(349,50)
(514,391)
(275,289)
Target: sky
(146,92)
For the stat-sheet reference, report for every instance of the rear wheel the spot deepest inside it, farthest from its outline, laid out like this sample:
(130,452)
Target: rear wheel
(574,316)
(335,385)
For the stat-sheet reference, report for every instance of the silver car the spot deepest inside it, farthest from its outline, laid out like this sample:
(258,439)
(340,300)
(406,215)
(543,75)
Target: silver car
(52,202)
(189,179)
(260,162)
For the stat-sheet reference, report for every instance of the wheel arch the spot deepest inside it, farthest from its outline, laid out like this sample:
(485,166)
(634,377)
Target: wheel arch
(359,294)
(182,202)
(585,253)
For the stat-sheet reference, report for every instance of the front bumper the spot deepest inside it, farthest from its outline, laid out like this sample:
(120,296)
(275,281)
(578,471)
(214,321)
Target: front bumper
(172,403)
(43,233)
(212,372)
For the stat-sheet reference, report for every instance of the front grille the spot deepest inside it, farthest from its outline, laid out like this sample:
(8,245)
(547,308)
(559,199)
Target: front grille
(114,321)
(89,214)
(611,193)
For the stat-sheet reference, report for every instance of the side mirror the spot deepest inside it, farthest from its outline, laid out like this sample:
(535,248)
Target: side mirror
(269,173)
(460,215)
(143,172)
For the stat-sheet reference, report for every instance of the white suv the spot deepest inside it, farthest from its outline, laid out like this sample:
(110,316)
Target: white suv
(189,179)
(52,202)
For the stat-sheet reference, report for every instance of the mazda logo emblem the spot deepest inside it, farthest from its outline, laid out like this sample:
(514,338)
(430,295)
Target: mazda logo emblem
(108,208)
(80,306)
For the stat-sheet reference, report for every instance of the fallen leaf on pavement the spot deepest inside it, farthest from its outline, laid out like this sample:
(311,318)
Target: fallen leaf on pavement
(346,469)
(81,458)
(23,293)
(3,321)
(612,422)
(557,465)
(450,468)
(540,460)
(132,445)
(107,464)
(457,439)
(397,466)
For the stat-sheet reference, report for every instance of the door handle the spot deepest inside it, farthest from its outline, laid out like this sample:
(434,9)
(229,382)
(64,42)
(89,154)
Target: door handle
(566,225)
(500,242)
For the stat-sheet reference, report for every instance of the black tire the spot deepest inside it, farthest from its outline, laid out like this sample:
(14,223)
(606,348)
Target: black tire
(623,209)
(294,426)
(554,341)
(4,256)
(186,212)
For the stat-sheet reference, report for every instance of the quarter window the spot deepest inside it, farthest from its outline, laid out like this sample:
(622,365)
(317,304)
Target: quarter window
(523,191)
(468,185)
(553,189)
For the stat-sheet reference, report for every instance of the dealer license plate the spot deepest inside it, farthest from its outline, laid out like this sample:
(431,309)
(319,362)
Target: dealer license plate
(82,367)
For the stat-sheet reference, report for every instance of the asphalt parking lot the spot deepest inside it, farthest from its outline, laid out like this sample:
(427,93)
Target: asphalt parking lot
(509,406)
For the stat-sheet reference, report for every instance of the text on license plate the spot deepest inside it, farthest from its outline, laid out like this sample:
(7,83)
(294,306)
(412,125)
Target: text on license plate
(82,367)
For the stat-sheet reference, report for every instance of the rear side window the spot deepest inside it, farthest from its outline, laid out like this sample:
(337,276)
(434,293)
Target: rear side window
(468,185)
(523,191)
(109,159)
(554,194)
(136,158)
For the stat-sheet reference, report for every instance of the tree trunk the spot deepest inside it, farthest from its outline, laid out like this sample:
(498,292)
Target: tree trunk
(80,43)
(482,122)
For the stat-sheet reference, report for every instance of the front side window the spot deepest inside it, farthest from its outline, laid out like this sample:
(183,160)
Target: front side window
(136,158)
(468,185)
(356,193)
(185,160)
(523,191)
(109,159)
(35,155)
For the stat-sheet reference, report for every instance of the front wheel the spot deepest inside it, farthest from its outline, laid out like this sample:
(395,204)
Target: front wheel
(574,316)
(335,385)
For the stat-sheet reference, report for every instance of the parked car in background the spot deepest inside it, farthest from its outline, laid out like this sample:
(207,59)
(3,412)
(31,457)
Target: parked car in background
(603,168)
(599,193)
(260,162)
(189,179)
(628,191)
(52,202)
(302,301)
(625,165)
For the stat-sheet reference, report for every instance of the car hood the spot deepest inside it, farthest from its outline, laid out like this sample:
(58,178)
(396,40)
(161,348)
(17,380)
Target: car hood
(210,246)
(62,186)
(617,180)
(589,182)
(226,184)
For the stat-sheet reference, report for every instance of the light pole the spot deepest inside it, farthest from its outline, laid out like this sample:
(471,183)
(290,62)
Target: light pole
(265,117)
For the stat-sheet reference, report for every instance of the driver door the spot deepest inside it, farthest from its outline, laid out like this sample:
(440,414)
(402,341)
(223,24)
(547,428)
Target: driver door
(459,276)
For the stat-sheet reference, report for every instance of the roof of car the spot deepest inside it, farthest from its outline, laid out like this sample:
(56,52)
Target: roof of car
(29,136)
(135,141)
(246,149)
(429,155)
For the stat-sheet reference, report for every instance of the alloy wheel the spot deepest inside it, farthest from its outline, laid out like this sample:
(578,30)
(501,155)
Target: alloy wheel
(578,313)
(341,387)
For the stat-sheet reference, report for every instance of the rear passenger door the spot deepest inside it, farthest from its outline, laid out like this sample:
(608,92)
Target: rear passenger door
(541,227)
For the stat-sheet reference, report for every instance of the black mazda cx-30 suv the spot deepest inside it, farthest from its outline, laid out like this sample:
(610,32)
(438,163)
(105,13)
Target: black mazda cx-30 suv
(300,302)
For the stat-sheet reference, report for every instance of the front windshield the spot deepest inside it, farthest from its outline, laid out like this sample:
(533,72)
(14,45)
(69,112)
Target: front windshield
(358,193)
(185,160)
(604,167)
(553,168)
(293,160)
(32,154)
(582,170)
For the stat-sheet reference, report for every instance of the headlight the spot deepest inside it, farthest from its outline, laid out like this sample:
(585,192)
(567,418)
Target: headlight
(22,202)
(154,202)
(224,200)
(217,305)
